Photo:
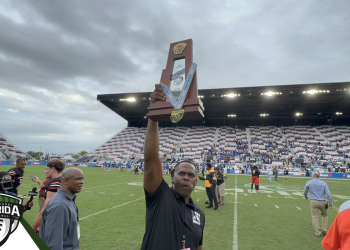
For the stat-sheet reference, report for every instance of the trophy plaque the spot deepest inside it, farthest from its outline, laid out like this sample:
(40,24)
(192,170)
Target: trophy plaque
(179,82)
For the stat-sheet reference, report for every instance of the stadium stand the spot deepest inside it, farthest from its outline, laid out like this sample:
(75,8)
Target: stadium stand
(268,146)
(286,125)
(8,151)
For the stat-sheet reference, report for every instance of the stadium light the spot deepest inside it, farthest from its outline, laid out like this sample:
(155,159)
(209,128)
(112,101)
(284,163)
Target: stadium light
(231,115)
(231,95)
(298,114)
(314,91)
(270,93)
(264,115)
(201,96)
(145,117)
(338,113)
(130,99)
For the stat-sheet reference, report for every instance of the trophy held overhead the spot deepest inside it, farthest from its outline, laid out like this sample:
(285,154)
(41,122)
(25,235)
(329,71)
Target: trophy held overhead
(179,82)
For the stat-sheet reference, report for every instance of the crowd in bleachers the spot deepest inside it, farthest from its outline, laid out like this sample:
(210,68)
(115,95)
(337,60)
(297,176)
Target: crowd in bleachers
(266,146)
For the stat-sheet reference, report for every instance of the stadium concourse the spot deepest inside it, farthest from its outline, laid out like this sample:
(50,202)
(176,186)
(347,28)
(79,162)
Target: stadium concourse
(295,126)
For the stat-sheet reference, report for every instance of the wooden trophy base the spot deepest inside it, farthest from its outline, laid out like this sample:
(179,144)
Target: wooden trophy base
(161,111)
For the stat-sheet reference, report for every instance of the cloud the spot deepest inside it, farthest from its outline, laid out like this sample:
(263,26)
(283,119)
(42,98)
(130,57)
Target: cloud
(13,110)
(55,57)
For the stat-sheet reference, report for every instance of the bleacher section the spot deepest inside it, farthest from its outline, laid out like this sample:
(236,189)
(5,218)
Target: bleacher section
(269,140)
(306,142)
(8,151)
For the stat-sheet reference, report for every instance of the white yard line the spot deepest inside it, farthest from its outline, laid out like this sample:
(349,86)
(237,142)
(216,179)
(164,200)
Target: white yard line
(235,221)
(115,193)
(299,208)
(131,194)
(276,206)
(197,200)
(105,185)
(102,211)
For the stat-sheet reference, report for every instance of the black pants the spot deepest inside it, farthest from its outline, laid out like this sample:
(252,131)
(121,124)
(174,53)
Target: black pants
(211,196)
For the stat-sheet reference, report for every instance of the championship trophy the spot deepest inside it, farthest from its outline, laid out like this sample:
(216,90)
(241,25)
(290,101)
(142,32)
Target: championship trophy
(179,83)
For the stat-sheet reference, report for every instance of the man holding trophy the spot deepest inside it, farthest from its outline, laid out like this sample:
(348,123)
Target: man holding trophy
(173,220)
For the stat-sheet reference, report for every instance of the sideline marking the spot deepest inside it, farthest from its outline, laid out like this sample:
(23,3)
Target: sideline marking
(299,208)
(105,185)
(282,193)
(235,221)
(102,211)
(276,206)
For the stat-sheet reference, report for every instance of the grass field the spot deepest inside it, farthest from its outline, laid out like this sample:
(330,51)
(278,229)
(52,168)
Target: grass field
(112,212)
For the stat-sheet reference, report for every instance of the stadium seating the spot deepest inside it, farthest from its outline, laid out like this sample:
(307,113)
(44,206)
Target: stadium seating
(332,143)
(8,151)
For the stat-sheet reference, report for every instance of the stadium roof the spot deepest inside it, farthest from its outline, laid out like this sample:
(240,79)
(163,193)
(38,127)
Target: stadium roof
(281,105)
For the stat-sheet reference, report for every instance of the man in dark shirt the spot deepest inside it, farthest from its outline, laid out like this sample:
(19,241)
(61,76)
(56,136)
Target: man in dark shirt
(220,188)
(173,221)
(285,172)
(60,228)
(17,175)
(210,186)
(255,179)
(53,170)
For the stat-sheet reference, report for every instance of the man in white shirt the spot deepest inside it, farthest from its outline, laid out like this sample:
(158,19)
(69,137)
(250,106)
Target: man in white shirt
(269,173)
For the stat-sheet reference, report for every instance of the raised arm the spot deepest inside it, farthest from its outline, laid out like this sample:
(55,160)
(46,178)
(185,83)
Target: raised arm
(153,174)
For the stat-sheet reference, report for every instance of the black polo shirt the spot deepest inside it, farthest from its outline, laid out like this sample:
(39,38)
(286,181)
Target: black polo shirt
(168,218)
(17,178)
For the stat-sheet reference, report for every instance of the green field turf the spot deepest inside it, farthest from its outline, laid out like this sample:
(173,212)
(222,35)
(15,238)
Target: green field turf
(112,211)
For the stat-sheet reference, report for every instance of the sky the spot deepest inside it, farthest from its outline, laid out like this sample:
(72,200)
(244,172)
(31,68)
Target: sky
(57,56)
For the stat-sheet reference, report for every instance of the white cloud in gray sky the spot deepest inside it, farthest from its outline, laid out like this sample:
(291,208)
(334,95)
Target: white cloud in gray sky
(56,56)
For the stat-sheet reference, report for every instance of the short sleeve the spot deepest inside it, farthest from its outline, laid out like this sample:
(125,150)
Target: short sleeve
(153,199)
(201,240)
(53,186)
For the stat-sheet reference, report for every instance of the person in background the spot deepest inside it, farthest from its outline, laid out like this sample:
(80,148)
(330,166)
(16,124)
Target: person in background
(53,170)
(220,188)
(60,229)
(285,172)
(275,173)
(269,173)
(17,174)
(42,185)
(338,236)
(210,186)
(318,192)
